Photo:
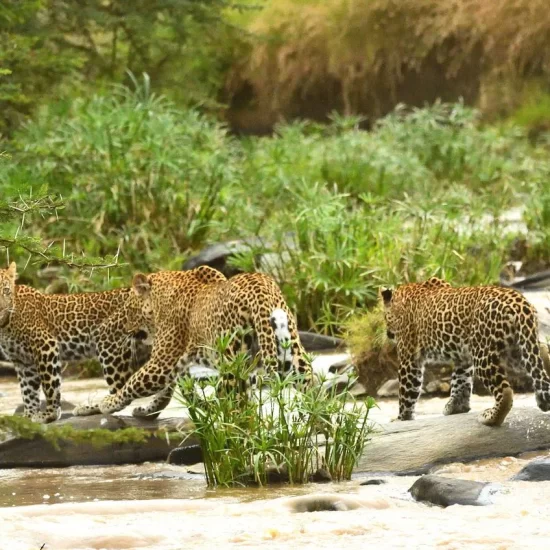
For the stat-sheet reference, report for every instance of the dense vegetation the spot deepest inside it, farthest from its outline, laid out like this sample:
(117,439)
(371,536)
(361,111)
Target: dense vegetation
(423,193)
(106,166)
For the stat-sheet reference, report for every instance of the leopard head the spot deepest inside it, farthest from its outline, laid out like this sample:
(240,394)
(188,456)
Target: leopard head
(7,293)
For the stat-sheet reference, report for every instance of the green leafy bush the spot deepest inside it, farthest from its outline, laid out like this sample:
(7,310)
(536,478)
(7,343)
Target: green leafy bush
(245,437)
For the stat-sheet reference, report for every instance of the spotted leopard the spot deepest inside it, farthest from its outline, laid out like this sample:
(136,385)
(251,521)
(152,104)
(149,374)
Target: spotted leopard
(38,331)
(479,329)
(188,310)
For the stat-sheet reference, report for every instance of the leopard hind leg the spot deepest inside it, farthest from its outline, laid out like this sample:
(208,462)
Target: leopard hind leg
(461,388)
(492,373)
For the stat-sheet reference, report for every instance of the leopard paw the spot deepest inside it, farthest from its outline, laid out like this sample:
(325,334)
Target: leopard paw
(109,405)
(86,410)
(46,417)
(456,406)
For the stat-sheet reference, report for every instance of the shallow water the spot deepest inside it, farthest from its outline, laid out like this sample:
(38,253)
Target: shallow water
(125,507)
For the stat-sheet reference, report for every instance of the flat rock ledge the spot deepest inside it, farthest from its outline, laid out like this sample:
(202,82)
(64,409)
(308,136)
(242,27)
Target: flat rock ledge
(414,447)
(38,452)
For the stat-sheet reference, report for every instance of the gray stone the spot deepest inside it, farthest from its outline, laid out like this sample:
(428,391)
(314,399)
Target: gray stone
(444,491)
(537,470)
(390,388)
(414,447)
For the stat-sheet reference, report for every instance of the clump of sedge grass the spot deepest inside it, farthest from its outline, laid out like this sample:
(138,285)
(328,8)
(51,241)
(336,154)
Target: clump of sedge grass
(246,437)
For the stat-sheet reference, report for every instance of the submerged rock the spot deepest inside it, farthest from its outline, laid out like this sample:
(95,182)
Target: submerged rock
(444,491)
(537,470)
(323,503)
(374,482)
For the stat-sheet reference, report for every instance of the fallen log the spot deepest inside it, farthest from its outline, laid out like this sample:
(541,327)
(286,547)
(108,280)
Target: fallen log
(414,447)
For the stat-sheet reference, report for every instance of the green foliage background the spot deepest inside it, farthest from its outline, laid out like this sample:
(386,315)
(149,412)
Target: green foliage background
(116,156)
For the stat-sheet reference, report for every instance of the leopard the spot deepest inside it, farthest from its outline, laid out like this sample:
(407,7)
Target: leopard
(39,331)
(186,311)
(479,329)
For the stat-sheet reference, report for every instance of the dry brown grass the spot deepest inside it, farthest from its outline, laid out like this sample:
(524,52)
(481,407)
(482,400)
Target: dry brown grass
(360,56)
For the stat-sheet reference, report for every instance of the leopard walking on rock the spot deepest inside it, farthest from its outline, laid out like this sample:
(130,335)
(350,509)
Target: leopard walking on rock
(38,331)
(188,310)
(480,329)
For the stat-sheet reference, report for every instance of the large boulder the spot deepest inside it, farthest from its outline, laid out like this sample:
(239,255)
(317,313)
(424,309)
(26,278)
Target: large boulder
(444,491)
(265,252)
(414,447)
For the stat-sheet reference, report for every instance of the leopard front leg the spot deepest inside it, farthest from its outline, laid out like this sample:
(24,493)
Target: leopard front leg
(29,384)
(154,377)
(410,381)
(49,370)
(461,388)
(118,364)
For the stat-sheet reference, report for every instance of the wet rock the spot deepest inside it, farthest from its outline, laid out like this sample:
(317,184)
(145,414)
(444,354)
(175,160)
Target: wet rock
(537,470)
(320,476)
(374,482)
(317,342)
(18,451)
(217,255)
(185,456)
(444,491)
(414,447)
(197,468)
(322,503)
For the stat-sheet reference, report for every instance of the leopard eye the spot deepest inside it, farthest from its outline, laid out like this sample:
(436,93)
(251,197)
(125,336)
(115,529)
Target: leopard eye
(6,291)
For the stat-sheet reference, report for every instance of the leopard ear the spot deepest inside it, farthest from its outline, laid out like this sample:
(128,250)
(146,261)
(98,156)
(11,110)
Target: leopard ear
(141,284)
(386,294)
(12,270)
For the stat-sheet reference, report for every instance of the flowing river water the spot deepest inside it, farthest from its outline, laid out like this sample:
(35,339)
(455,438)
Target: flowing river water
(142,506)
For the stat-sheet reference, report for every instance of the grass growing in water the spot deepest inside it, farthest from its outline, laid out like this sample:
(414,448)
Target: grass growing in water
(246,438)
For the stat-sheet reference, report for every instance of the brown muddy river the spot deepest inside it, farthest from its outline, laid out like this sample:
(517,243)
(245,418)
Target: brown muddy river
(127,507)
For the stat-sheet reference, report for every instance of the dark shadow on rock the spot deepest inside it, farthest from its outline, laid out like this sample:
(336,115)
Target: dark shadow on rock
(444,491)
(537,470)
